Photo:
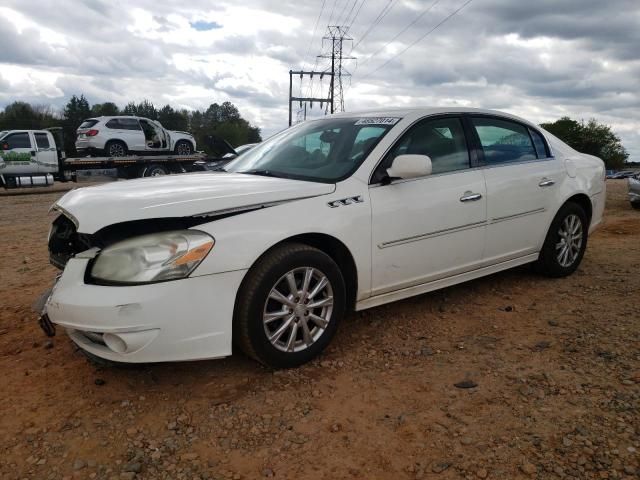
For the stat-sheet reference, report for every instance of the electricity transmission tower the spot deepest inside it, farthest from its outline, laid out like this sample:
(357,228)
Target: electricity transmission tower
(336,37)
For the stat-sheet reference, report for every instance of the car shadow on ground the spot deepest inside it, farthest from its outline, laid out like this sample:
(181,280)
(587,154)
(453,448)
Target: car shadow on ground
(229,379)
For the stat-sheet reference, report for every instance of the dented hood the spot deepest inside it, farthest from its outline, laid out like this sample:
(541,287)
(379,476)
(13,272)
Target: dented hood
(179,196)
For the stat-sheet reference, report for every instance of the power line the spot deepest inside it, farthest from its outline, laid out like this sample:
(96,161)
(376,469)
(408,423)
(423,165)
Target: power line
(313,36)
(387,8)
(412,23)
(346,19)
(422,37)
(357,12)
(346,4)
(332,10)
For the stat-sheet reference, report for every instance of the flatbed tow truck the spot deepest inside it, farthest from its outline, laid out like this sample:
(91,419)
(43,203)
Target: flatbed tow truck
(32,158)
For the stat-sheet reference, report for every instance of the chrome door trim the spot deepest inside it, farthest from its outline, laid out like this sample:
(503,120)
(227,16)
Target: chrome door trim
(437,233)
(517,215)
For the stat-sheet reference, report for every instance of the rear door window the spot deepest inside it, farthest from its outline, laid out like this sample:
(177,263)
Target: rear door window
(504,141)
(42,140)
(129,124)
(114,123)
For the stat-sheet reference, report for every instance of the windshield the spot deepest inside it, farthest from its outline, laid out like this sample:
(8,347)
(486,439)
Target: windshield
(326,150)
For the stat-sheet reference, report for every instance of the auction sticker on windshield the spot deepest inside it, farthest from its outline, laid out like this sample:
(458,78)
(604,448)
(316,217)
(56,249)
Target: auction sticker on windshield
(378,121)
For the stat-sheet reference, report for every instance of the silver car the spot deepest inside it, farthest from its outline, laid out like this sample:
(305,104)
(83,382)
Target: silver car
(634,191)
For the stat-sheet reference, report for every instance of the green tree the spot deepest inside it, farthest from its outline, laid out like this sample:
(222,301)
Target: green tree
(144,109)
(592,137)
(21,115)
(173,119)
(75,112)
(107,109)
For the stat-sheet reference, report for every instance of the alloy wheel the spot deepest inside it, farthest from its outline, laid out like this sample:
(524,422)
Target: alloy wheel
(571,238)
(184,149)
(298,309)
(116,150)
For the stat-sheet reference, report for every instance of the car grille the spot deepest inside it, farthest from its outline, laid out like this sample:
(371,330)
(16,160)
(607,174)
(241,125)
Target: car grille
(65,241)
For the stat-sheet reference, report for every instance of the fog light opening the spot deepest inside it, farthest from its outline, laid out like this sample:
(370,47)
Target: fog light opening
(115,342)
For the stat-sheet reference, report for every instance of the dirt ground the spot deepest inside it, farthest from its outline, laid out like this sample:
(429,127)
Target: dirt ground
(556,365)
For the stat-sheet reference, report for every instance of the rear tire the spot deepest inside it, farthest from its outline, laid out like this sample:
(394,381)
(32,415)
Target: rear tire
(565,243)
(635,205)
(115,148)
(276,319)
(183,147)
(155,170)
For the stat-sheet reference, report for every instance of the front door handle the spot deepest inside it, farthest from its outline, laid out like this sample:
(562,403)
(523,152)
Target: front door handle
(470,197)
(546,182)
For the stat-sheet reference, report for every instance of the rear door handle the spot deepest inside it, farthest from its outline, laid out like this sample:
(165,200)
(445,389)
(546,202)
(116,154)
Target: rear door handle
(546,182)
(470,197)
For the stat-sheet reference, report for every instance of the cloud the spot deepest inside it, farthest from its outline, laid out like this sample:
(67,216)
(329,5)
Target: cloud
(541,59)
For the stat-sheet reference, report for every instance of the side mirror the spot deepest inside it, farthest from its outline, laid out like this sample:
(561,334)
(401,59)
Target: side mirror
(410,166)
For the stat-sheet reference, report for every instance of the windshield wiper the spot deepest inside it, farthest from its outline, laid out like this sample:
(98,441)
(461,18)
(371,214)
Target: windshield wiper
(262,172)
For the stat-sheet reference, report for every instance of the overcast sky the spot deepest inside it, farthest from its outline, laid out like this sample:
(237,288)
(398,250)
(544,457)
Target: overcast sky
(540,59)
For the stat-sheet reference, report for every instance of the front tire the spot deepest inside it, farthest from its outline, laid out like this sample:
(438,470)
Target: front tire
(289,306)
(635,205)
(183,147)
(565,243)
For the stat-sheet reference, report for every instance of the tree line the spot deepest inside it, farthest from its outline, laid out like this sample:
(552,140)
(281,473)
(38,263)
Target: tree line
(223,120)
(591,137)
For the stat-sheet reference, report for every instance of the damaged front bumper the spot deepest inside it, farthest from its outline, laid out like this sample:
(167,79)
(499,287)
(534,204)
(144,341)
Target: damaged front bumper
(186,319)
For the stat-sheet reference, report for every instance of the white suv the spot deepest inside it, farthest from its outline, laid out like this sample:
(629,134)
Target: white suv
(119,136)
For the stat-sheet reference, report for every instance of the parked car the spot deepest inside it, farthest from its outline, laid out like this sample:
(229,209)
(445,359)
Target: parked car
(123,135)
(623,174)
(634,191)
(610,173)
(348,211)
(244,148)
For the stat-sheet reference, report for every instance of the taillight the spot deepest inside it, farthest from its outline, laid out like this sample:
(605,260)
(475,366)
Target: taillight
(91,133)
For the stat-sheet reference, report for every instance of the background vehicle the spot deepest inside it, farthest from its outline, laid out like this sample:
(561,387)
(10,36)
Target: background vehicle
(348,211)
(32,158)
(623,174)
(634,191)
(123,135)
(27,158)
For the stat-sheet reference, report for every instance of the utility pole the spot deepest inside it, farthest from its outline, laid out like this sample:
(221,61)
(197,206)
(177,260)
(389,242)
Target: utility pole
(292,99)
(338,36)
(335,98)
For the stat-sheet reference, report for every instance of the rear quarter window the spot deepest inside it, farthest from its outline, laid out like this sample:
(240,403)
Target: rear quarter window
(88,123)
(113,123)
(542,149)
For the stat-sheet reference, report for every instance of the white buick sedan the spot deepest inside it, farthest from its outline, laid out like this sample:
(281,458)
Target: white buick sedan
(346,212)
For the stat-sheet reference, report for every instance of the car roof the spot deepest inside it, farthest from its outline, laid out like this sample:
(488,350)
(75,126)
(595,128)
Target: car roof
(425,111)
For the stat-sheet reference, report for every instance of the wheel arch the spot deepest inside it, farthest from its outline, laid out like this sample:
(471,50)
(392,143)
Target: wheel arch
(583,200)
(190,142)
(333,247)
(116,140)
